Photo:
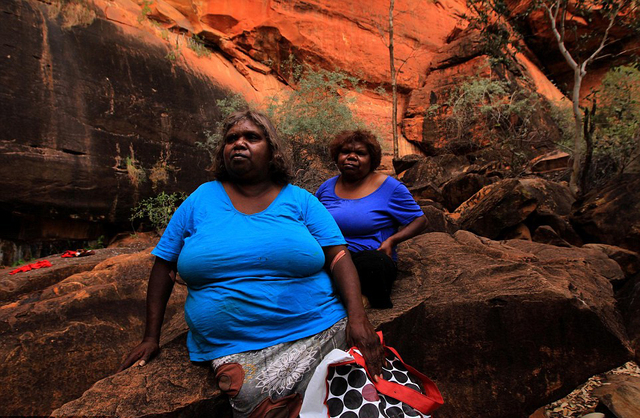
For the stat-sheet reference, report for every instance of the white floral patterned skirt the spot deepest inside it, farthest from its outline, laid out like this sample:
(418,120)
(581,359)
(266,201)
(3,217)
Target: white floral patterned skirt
(272,381)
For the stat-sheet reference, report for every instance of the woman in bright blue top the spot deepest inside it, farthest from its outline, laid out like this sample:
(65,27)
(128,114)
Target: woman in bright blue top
(256,254)
(375,212)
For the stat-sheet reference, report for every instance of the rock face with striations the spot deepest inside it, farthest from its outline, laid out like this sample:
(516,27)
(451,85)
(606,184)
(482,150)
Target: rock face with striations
(502,327)
(104,101)
(104,109)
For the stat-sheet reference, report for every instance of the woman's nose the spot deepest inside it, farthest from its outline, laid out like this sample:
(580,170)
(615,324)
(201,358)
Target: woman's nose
(240,142)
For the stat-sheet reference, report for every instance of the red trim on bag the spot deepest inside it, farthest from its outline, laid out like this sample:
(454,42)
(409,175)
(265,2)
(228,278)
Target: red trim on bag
(423,402)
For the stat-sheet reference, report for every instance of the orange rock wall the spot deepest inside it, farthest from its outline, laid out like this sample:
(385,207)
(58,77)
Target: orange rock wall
(255,38)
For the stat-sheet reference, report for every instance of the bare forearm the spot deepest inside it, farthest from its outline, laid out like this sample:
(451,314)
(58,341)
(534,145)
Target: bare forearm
(414,228)
(360,332)
(158,293)
(345,276)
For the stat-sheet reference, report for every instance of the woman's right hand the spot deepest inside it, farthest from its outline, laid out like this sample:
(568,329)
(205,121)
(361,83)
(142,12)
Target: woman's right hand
(158,293)
(141,354)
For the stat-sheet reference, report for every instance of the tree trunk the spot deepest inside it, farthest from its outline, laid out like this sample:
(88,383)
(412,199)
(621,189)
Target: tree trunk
(589,126)
(578,138)
(394,86)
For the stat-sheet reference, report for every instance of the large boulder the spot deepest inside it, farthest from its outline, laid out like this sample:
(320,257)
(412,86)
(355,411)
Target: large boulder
(169,385)
(503,328)
(496,209)
(104,101)
(629,302)
(629,261)
(611,215)
(95,118)
(424,176)
(620,394)
(59,339)
(461,188)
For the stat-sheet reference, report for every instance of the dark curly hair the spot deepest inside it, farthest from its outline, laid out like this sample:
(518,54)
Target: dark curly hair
(279,166)
(362,136)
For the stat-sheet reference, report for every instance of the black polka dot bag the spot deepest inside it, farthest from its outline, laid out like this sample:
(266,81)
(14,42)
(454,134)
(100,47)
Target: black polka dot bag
(341,387)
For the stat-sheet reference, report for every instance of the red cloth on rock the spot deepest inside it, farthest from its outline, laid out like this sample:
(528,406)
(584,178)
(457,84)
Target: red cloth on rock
(28,267)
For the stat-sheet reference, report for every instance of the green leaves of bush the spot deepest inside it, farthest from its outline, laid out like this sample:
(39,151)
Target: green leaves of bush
(618,117)
(158,210)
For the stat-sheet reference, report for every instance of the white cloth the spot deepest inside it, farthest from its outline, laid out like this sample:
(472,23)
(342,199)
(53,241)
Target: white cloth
(313,405)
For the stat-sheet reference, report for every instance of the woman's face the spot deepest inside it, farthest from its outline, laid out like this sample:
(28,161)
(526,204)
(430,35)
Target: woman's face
(246,152)
(354,160)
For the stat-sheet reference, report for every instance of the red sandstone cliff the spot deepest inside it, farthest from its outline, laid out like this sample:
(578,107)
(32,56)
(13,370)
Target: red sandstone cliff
(103,101)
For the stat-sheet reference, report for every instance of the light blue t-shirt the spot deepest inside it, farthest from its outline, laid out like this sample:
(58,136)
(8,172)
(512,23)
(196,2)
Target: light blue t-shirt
(367,222)
(254,280)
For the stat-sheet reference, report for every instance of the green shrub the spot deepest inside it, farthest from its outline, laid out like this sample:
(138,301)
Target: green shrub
(310,115)
(22,261)
(562,115)
(74,13)
(158,210)
(97,244)
(483,112)
(136,174)
(196,44)
(307,118)
(618,117)
(226,106)
(145,10)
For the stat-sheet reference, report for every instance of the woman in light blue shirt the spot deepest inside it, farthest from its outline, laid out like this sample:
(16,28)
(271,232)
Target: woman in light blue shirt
(265,301)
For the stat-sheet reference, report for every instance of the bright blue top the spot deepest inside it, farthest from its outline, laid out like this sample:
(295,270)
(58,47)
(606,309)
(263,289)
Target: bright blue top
(367,222)
(254,280)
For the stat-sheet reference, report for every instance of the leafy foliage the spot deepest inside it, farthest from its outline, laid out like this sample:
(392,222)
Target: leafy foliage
(197,45)
(503,115)
(307,118)
(136,173)
(310,116)
(618,118)
(145,10)
(226,106)
(159,209)
(572,24)
(74,13)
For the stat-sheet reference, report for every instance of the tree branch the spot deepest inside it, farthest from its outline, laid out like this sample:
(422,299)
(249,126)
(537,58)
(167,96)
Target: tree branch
(559,38)
(604,37)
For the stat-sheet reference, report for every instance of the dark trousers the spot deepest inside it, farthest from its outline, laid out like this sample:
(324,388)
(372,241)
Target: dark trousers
(377,273)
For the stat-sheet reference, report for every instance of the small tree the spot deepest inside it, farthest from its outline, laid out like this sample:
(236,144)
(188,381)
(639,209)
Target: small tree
(394,83)
(311,114)
(393,71)
(564,17)
(557,14)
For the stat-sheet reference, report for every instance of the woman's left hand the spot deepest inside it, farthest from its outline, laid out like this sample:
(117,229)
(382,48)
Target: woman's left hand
(360,334)
(387,248)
